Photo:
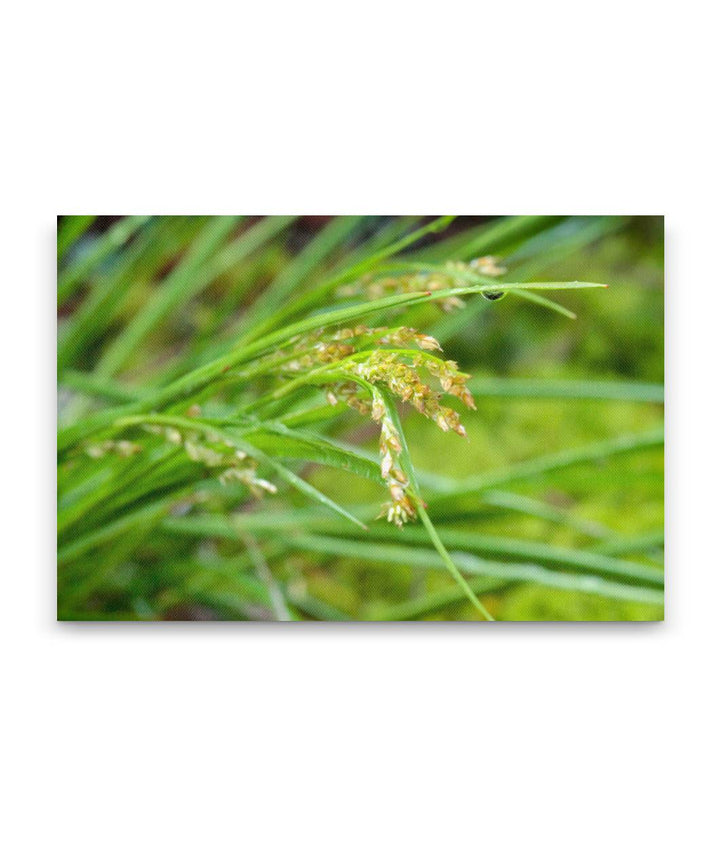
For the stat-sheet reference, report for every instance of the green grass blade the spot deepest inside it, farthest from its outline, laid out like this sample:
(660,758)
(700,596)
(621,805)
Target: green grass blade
(621,545)
(545,302)
(544,554)
(293,479)
(282,442)
(238,439)
(450,564)
(556,461)
(291,279)
(554,240)
(545,511)
(581,390)
(213,342)
(106,389)
(100,535)
(140,260)
(72,277)
(423,557)
(421,607)
(317,296)
(597,562)
(70,229)
(262,569)
(424,517)
(495,238)
(179,286)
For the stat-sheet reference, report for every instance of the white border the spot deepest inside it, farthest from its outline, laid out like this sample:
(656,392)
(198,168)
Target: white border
(506,739)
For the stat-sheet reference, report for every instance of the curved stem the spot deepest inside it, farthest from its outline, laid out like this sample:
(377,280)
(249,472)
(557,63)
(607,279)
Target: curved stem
(422,513)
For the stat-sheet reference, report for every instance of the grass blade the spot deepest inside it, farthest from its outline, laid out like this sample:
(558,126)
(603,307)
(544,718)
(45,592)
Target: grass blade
(424,517)
(581,390)
(545,554)
(293,479)
(545,511)
(550,463)
(262,569)
(492,570)
(291,278)
(179,286)
(621,545)
(71,278)
(70,229)
(546,303)
(282,442)
(319,294)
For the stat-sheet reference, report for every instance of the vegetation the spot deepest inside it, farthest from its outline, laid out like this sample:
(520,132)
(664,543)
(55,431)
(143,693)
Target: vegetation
(256,418)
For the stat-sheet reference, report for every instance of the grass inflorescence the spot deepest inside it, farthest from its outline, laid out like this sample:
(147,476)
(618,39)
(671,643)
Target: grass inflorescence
(165,427)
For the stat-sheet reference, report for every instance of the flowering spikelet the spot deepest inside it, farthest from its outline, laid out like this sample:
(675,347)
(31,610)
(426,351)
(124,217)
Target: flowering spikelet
(205,447)
(400,509)
(247,476)
(452,381)
(451,275)
(321,348)
(373,359)
(487,266)
(389,369)
(355,364)
(123,448)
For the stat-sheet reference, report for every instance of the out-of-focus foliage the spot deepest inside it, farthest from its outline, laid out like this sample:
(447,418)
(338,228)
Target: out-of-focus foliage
(173,504)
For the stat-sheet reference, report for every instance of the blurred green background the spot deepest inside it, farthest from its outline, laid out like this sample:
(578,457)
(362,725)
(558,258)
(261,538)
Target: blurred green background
(544,385)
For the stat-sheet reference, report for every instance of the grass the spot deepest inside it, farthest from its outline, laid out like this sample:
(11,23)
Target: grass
(221,380)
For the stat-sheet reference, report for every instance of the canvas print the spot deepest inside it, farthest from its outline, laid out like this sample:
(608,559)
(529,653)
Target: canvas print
(360,418)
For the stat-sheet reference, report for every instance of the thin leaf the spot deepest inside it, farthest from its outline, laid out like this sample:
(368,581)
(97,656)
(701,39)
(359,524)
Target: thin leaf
(71,278)
(582,390)
(427,523)
(553,462)
(622,545)
(496,237)
(141,259)
(295,445)
(545,554)
(544,301)
(420,607)
(290,280)
(545,511)
(510,572)
(177,288)
(70,229)
(293,479)
(318,295)
(262,569)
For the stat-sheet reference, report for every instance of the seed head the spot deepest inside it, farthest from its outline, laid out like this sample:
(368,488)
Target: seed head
(376,359)
(487,266)
(398,511)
